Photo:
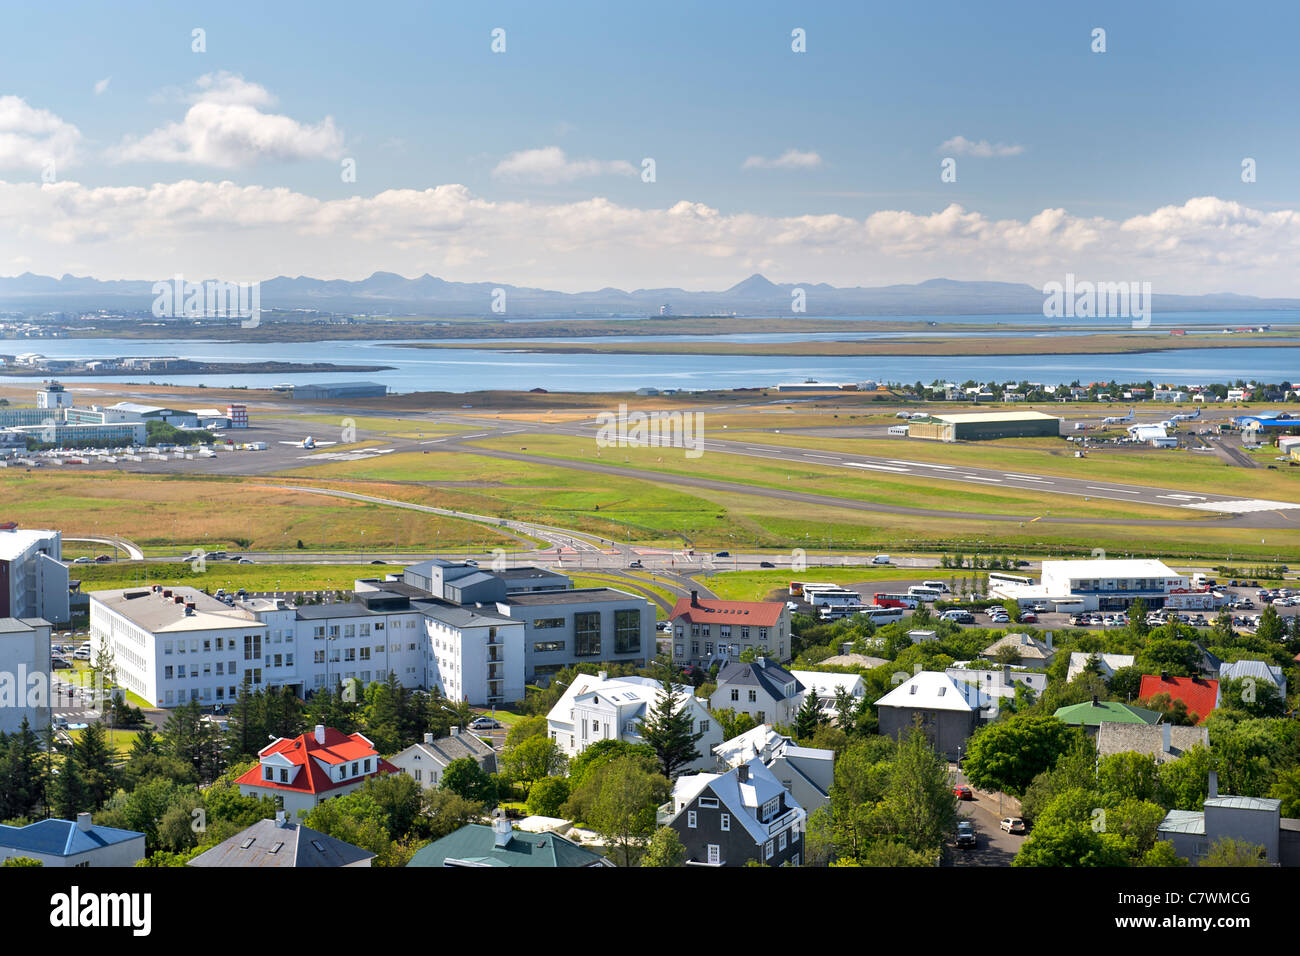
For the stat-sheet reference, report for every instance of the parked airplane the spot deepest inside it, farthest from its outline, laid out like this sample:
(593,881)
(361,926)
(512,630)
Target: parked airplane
(309,442)
(1186,418)
(1120,419)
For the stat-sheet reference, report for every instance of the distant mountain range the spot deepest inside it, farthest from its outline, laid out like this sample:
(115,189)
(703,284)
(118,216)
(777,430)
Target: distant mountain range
(387,293)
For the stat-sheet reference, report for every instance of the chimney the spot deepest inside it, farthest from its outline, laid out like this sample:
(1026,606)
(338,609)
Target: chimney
(603,675)
(1047,638)
(281,819)
(1006,675)
(320,734)
(742,773)
(83,822)
(428,738)
(1095,701)
(502,831)
(1164,675)
(1168,731)
(1214,785)
(760,662)
(695,599)
(455,732)
(767,754)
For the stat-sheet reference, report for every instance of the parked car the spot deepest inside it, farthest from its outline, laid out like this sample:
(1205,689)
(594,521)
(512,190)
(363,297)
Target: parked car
(965,835)
(963,792)
(1029,617)
(1013,824)
(484,723)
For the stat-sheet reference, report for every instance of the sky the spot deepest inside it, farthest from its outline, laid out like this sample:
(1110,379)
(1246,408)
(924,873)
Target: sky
(335,139)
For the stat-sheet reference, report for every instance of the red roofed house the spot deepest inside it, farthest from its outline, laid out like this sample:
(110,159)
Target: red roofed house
(301,772)
(707,630)
(1199,694)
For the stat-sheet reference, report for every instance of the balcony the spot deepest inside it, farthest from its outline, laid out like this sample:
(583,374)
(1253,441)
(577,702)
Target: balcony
(783,821)
(664,814)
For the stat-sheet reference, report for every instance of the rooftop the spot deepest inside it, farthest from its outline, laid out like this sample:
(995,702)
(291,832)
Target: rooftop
(62,837)
(475,845)
(269,843)
(930,690)
(159,611)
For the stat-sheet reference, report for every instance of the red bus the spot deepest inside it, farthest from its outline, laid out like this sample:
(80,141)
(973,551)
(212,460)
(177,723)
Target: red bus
(895,600)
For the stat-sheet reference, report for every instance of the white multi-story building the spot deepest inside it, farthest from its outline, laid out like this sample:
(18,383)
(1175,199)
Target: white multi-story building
(33,577)
(24,673)
(601,707)
(1098,585)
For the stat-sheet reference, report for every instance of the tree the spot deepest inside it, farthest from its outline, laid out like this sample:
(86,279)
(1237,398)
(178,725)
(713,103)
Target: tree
(1137,618)
(623,811)
(547,796)
(1007,755)
(465,777)
(1126,682)
(1163,854)
(809,716)
(1169,655)
(1251,697)
(445,811)
(1185,782)
(664,849)
(1287,789)
(733,724)
(1230,852)
(532,760)
(94,765)
(525,727)
(22,780)
(21,861)
(1068,844)
(669,731)
(918,802)
(1128,776)
(1271,627)
(844,707)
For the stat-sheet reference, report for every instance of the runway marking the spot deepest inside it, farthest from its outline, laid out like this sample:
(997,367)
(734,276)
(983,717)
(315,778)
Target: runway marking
(827,457)
(922,464)
(1122,491)
(1183,497)
(859,464)
(978,478)
(1008,474)
(1242,506)
(433,442)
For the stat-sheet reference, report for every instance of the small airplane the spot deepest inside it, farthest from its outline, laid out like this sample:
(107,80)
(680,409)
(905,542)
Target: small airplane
(1120,419)
(1186,418)
(309,442)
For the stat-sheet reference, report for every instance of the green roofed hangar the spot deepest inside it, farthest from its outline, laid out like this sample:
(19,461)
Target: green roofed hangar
(981,426)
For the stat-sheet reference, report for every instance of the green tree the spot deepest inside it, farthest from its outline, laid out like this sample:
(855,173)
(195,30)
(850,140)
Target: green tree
(1184,783)
(1137,618)
(1229,852)
(1007,755)
(525,727)
(94,764)
(1069,844)
(1163,854)
(1287,789)
(1271,627)
(733,723)
(664,849)
(21,861)
(808,718)
(893,853)
(1128,776)
(547,796)
(623,811)
(465,777)
(918,801)
(669,730)
(445,812)
(532,759)
(1169,655)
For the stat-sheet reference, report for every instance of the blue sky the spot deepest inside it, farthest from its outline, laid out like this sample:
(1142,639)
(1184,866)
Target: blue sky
(1182,94)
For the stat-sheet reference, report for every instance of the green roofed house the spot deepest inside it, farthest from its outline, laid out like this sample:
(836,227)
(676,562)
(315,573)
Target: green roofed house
(1090,714)
(502,845)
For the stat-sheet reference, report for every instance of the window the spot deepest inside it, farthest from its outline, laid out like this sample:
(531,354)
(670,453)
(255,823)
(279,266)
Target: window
(167,672)
(268,773)
(284,775)
(543,622)
(252,647)
(753,696)
(350,654)
(780,840)
(546,647)
(769,809)
(709,803)
(627,631)
(794,860)
(318,657)
(690,819)
(704,726)
(365,653)
(768,850)
(708,648)
(586,634)
(726,821)
(735,693)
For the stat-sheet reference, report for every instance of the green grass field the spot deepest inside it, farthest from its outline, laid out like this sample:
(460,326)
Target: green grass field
(760,585)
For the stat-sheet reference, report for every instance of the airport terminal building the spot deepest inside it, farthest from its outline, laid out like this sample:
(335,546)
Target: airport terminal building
(1097,585)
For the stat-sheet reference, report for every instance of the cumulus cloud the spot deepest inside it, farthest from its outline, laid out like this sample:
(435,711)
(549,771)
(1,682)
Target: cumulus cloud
(550,165)
(790,159)
(219,228)
(961,146)
(226,127)
(31,138)
(102,85)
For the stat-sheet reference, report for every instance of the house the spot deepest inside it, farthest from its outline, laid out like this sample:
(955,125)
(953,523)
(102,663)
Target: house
(502,845)
(826,684)
(299,773)
(282,843)
(731,818)
(805,772)
(1030,651)
(1256,670)
(763,689)
(1091,714)
(708,630)
(426,761)
(1107,664)
(1164,742)
(1256,820)
(598,707)
(65,843)
(1199,694)
(997,684)
(946,711)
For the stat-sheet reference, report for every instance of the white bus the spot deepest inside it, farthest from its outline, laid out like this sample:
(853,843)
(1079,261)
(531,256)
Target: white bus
(876,615)
(1001,577)
(924,593)
(939,586)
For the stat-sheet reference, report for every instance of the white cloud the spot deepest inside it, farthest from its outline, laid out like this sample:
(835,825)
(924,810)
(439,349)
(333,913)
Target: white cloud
(250,232)
(226,128)
(790,159)
(961,146)
(102,85)
(551,165)
(30,138)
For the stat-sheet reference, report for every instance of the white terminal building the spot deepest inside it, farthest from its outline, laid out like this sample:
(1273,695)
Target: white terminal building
(1100,585)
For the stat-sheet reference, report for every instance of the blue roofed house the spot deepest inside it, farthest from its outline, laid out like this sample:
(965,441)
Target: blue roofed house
(65,843)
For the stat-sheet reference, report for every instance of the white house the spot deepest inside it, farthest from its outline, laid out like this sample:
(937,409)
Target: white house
(426,761)
(603,708)
(1108,664)
(763,689)
(299,773)
(826,685)
(806,772)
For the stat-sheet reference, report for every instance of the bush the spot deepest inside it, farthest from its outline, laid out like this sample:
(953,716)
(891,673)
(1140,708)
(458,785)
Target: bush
(547,796)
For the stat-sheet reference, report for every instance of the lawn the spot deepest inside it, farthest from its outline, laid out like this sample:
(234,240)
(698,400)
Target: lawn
(119,741)
(759,585)
(229,575)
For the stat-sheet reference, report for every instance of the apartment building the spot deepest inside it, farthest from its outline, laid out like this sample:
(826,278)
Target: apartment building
(25,672)
(708,630)
(33,577)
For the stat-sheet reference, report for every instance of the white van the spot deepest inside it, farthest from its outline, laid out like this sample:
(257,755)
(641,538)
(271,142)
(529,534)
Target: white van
(938,586)
(880,559)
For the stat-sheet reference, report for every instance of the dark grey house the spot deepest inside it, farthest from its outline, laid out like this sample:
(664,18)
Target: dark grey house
(731,818)
(942,708)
